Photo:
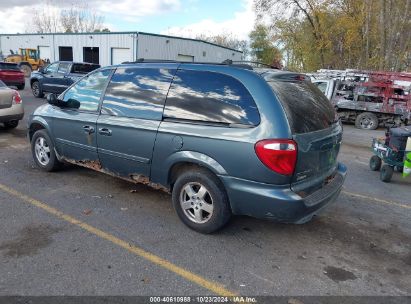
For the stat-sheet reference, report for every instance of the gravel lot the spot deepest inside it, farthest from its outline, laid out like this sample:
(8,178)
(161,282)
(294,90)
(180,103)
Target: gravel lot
(78,232)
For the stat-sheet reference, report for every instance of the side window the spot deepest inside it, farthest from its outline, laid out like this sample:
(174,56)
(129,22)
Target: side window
(210,97)
(52,68)
(322,86)
(63,68)
(85,94)
(137,92)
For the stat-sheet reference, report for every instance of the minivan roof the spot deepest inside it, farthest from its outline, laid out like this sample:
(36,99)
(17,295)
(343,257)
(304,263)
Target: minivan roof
(248,65)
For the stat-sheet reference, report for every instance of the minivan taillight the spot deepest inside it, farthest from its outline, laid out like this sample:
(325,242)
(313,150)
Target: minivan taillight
(280,155)
(16,98)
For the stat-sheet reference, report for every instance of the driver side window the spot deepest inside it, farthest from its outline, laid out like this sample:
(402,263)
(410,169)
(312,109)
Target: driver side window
(52,68)
(85,95)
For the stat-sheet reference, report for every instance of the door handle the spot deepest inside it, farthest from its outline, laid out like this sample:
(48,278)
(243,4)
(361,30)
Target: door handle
(105,131)
(88,129)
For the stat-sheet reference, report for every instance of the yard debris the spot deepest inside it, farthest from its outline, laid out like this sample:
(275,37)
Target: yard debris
(123,208)
(133,191)
(110,196)
(87,211)
(96,196)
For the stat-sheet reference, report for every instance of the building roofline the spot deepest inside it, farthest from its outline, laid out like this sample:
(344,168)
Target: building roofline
(190,39)
(114,33)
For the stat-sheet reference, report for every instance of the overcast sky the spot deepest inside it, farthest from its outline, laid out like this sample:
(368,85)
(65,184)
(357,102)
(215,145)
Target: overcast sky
(174,17)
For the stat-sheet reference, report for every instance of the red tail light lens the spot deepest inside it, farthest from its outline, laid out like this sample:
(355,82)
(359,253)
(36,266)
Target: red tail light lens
(16,98)
(278,155)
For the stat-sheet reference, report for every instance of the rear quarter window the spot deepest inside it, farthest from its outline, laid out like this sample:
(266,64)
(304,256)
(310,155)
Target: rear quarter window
(205,96)
(306,107)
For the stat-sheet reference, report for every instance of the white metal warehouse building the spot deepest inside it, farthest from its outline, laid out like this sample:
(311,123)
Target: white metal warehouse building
(116,47)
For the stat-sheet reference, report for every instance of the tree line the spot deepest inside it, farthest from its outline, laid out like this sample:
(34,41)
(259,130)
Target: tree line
(339,34)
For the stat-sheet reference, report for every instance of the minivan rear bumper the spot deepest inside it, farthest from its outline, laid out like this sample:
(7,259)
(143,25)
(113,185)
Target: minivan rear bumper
(280,203)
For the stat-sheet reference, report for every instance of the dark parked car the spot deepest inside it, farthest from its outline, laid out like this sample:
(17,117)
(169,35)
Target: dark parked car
(224,139)
(58,76)
(11,75)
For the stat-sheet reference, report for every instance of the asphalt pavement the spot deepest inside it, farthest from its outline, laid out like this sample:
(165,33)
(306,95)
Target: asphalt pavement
(79,232)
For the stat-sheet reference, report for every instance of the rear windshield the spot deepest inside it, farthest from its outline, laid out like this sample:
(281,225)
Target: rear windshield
(8,66)
(306,107)
(83,68)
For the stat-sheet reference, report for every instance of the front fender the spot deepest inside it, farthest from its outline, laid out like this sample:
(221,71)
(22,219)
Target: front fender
(37,122)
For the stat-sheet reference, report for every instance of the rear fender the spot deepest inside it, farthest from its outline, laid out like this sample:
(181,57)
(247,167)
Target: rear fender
(190,157)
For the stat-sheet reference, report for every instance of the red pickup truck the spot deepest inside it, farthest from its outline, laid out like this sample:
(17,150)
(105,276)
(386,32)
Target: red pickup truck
(11,75)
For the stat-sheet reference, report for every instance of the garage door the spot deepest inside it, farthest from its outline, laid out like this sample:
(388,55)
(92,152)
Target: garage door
(185,58)
(45,53)
(120,55)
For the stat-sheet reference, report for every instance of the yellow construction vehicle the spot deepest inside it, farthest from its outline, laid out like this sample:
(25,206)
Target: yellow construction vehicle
(27,59)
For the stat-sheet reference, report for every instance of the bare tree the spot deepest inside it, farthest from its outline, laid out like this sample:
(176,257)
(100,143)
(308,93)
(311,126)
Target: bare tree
(79,19)
(76,18)
(227,40)
(45,19)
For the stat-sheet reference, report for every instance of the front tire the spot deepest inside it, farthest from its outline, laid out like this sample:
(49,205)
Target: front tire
(36,89)
(200,201)
(367,121)
(42,149)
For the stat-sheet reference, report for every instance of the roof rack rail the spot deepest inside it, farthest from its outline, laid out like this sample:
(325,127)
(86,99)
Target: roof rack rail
(225,62)
(249,62)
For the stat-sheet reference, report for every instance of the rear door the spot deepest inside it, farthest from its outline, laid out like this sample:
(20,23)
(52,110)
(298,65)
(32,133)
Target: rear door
(130,116)
(316,130)
(75,123)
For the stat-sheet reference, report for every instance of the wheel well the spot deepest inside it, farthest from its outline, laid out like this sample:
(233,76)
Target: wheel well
(178,168)
(33,80)
(34,128)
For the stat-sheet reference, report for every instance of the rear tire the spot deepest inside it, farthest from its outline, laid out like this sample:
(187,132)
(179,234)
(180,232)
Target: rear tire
(200,201)
(26,68)
(386,173)
(21,87)
(42,149)
(11,124)
(36,89)
(375,163)
(366,121)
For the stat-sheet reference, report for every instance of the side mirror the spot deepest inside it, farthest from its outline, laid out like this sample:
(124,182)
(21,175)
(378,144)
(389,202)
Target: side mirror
(52,99)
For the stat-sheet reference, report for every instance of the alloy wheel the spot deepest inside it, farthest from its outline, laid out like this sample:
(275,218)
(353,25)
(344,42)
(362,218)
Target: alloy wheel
(42,151)
(196,202)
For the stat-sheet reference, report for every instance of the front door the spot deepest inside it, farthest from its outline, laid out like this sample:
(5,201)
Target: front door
(74,124)
(61,82)
(130,116)
(49,75)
